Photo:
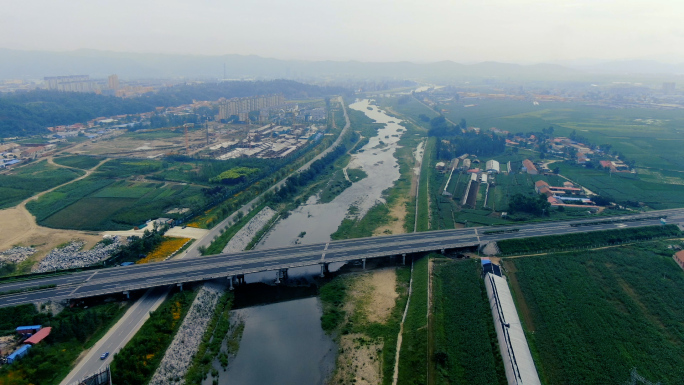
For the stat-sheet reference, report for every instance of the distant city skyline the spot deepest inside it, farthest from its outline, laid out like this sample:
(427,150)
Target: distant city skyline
(523,31)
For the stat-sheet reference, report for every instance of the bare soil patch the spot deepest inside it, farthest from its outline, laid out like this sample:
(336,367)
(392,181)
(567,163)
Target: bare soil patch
(397,219)
(359,361)
(18,227)
(372,297)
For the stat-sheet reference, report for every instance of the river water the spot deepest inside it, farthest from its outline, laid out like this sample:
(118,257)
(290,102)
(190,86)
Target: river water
(283,342)
(320,220)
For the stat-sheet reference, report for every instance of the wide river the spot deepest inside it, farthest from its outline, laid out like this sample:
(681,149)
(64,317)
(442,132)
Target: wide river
(283,343)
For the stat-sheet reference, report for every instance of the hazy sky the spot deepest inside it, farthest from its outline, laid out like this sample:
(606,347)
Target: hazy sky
(367,30)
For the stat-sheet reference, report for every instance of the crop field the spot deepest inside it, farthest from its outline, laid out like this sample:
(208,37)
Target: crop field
(83,162)
(593,316)
(26,181)
(624,187)
(650,137)
(96,203)
(466,349)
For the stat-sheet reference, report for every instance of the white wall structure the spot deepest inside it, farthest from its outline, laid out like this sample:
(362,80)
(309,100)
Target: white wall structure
(492,166)
(520,369)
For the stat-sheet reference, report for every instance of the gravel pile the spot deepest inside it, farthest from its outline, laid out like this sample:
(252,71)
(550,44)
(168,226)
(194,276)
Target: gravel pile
(16,254)
(178,356)
(70,256)
(242,238)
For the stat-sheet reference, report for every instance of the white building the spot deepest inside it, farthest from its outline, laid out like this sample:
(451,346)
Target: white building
(492,166)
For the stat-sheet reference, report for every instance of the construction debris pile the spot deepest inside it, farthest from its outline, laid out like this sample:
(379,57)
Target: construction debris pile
(71,256)
(16,254)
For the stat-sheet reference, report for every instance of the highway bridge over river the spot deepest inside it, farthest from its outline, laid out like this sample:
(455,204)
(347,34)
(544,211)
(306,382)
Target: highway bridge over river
(124,279)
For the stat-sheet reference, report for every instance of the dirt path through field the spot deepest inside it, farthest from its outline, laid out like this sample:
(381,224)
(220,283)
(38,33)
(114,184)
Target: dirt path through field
(19,227)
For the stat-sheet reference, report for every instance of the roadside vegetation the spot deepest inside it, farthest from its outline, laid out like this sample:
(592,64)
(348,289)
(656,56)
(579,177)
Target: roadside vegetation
(164,250)
(593,316)
(73,330)
(466,350)
(413,359)
(585,240)
(138,360)
(218,331)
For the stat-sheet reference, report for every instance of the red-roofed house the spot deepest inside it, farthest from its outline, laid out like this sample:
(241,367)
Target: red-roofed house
(39,336)
(679,258)
(529,167)
(582,158)
(539,184)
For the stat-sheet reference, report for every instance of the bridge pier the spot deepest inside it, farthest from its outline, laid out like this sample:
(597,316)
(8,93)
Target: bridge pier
(442,251)
(403,259)
(127,294)
(324,269)
(240,279)
(230,279)
(364,263)
(281,274)
(180,285)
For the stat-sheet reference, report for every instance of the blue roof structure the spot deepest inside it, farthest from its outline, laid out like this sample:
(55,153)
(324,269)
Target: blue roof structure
(22,351)
(25,328)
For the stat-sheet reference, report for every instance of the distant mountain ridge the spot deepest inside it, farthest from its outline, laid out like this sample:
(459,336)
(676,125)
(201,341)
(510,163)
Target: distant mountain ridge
(99,64)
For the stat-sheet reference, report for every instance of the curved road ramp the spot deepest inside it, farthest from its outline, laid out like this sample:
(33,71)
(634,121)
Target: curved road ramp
(515,352)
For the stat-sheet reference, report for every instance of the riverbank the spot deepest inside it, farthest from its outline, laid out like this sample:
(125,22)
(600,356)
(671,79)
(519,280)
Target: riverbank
(365,310)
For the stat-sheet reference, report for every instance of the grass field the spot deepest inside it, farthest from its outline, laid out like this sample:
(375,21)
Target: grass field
(24,182)
(593,316)
(78,161)
(466,348)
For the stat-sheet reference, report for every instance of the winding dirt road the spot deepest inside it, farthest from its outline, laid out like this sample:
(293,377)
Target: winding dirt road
(18,226)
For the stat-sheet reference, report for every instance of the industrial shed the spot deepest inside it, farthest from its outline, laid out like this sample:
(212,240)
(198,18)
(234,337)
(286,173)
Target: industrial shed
(39,336)
(22,351)
(28,329)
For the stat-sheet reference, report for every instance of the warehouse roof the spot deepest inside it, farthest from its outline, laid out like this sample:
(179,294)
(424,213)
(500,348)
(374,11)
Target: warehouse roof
(39,336)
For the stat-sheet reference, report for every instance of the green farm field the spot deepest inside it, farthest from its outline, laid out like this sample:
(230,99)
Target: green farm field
(83,162)
(592,316)
(653,138)
(24,182)
(97,203)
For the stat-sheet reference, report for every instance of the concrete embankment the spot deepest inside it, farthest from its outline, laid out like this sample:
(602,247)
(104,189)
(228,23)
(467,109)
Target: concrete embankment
(243,237)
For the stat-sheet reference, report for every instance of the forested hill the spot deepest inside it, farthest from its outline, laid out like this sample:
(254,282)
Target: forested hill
(30,113)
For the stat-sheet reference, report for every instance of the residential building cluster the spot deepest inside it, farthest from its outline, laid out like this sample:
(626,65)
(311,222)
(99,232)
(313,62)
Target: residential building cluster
(12,154)
(241,107)
(567,195)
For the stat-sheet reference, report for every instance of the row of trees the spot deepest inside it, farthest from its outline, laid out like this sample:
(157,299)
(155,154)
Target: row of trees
(455,140)
(293,183)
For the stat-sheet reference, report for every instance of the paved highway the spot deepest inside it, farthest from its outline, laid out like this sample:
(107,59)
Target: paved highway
(118,336)
(120,279)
